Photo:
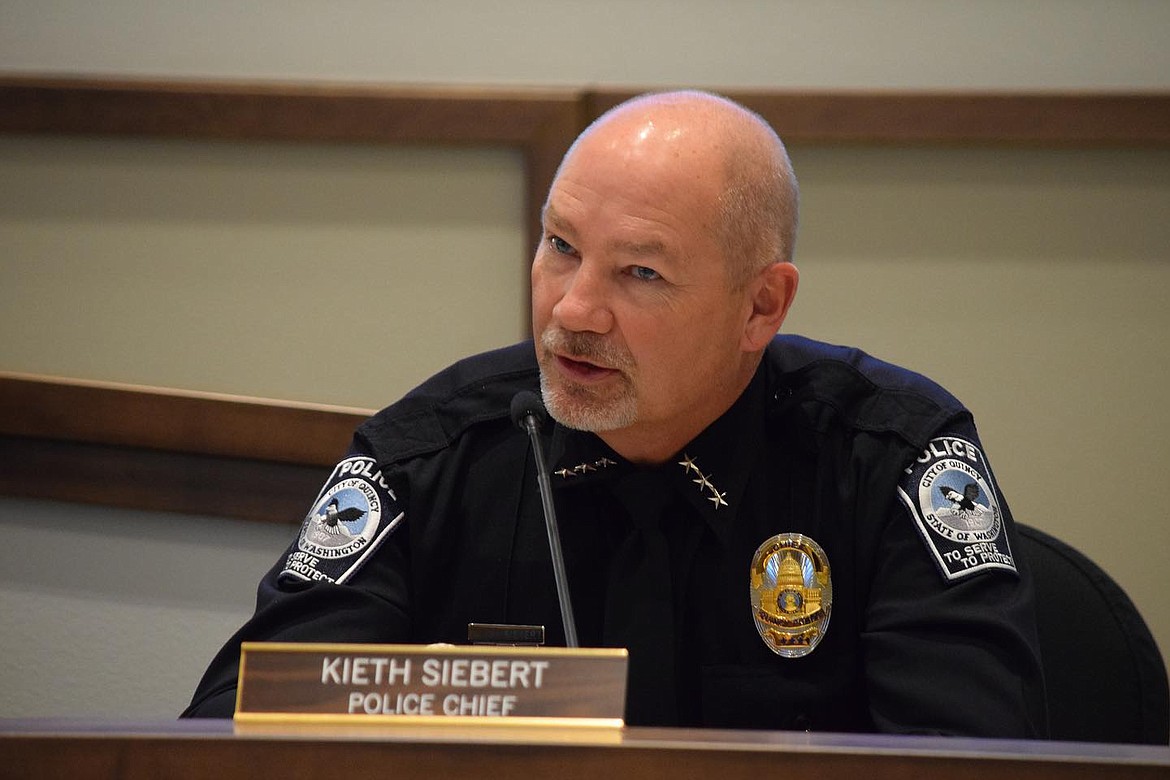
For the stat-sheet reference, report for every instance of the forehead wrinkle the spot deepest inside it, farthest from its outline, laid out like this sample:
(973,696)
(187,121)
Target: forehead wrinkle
(647,248)
(555,220)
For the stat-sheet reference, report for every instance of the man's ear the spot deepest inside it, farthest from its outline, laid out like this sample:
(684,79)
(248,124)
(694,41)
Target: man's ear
(772,294)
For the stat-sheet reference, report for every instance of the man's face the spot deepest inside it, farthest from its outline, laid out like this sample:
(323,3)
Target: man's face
(638,331)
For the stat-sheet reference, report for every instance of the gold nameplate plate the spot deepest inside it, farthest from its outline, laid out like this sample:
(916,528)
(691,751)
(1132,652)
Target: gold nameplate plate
(348,683)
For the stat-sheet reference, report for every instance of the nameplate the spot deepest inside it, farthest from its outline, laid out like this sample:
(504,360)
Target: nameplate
(431,684)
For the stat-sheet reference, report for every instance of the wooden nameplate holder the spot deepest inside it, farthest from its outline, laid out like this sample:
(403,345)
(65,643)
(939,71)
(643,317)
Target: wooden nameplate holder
(430,684)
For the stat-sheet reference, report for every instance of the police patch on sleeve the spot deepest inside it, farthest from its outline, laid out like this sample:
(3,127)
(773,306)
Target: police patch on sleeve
(951,496)
(354,513)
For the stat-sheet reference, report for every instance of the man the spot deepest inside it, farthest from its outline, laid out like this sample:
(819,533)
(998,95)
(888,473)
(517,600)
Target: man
(751,515)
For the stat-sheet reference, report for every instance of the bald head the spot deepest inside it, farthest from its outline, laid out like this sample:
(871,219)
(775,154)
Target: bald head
(660,278)
(754,201)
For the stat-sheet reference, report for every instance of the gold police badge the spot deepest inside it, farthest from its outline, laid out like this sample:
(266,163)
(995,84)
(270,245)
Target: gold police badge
(792,594)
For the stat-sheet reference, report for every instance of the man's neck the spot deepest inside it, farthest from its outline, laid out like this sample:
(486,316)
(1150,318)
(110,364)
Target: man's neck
(648,444)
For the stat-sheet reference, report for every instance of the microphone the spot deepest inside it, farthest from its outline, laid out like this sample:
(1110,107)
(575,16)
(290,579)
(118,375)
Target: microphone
(527,413)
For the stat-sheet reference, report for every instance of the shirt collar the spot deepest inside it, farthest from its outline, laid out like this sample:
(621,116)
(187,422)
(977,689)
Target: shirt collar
(711,472)
(578,458)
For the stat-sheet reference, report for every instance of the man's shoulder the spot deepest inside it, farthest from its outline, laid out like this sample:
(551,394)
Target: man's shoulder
(475,390)
(864,391)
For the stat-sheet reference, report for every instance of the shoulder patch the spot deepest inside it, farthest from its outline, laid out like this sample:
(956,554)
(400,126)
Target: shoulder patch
(952,498)
(353,514)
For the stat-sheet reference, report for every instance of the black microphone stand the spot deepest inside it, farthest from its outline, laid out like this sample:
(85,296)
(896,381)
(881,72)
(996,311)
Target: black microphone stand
(527,410)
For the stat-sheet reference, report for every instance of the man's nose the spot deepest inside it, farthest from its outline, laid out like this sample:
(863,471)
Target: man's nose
(585,305)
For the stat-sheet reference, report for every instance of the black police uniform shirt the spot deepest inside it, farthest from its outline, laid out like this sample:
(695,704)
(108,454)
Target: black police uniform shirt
(433,521)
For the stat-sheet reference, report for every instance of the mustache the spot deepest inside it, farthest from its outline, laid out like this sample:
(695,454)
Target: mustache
(587,348)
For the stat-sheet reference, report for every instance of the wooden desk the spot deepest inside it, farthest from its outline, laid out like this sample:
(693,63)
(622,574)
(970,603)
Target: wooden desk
(220,749)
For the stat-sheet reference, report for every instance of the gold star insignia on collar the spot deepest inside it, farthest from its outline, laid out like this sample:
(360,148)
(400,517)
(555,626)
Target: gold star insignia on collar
(690,465)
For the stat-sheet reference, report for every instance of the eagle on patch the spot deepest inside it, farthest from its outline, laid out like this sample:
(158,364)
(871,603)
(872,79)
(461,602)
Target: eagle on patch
(331,522)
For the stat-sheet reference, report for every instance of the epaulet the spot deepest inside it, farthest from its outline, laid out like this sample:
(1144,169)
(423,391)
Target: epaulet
(863,391)
(477,389)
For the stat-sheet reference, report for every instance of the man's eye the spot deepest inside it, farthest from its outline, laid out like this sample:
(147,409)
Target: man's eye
(644,273)
(560,245)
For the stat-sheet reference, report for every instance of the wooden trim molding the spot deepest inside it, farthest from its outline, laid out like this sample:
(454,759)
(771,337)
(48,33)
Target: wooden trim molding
(152,448)
(278,111)
(532,119)
(211,424)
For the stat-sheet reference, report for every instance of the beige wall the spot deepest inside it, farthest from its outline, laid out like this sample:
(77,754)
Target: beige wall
(879,44)
(331,274)
(1029,281)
